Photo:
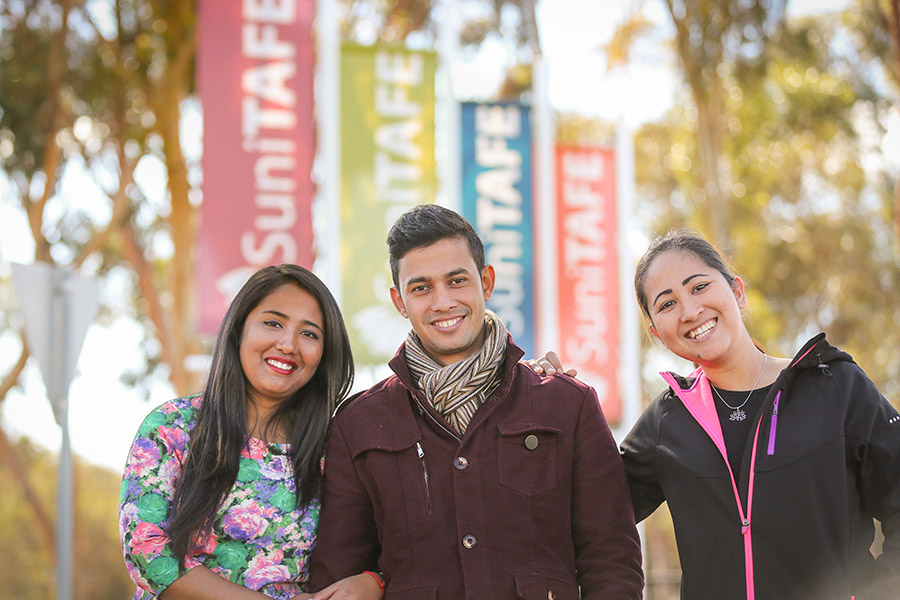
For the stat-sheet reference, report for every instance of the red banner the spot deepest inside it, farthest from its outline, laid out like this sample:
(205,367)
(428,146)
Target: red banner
(588,269)
(255,74)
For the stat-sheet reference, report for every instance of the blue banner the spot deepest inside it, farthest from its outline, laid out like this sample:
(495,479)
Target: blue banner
(497,200)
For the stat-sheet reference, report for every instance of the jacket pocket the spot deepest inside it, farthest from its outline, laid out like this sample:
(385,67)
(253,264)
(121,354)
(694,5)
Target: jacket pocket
(419,593)
(526,457)
(545,587)
(402,462)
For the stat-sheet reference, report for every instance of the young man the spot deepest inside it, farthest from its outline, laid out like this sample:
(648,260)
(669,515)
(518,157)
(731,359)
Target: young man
(465,474)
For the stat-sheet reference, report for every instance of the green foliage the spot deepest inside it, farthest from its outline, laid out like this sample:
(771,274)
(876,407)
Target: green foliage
(27,571)
(578,130)
(24,114)
(810,222)
(618,50)
(416,24)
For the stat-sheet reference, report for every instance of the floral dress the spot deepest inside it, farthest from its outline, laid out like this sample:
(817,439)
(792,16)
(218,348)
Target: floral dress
(259,539)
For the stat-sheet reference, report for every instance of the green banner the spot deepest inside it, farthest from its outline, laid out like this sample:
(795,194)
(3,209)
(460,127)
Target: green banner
(387,166)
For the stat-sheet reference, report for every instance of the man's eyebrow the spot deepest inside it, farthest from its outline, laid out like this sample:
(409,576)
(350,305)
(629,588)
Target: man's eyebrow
(417,279)
(459,271)
(424,279)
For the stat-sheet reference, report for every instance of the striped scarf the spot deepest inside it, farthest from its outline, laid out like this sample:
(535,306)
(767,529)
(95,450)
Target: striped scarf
(456,391)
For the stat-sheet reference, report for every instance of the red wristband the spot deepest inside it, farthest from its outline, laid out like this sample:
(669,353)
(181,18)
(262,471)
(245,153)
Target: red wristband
(378,579)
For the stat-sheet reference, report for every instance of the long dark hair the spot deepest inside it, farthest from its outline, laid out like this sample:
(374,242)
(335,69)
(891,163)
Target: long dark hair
(211,465)
(681,240)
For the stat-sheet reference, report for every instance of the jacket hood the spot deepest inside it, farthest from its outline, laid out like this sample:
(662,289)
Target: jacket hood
(817,353)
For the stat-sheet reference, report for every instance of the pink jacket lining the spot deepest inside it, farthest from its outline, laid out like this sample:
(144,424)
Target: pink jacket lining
(702,407)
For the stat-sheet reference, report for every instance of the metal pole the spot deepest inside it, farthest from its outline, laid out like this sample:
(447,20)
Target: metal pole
(59,396)
(450,154)
(65,511)
(329,138)
(544,143)
(630,353)
(630,339)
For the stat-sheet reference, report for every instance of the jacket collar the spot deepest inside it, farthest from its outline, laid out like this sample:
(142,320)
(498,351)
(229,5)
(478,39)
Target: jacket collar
(696,395)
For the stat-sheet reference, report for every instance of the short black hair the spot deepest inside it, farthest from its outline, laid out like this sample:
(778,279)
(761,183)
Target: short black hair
(424,225)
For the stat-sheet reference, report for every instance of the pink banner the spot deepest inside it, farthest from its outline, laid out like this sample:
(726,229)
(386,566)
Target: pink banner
(255,76)
(588,269)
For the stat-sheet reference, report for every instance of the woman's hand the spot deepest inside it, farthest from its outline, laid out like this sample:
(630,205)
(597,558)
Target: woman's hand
(355,587)
(549,364)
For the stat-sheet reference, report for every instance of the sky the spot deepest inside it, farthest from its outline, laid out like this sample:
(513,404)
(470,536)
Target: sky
(105,414)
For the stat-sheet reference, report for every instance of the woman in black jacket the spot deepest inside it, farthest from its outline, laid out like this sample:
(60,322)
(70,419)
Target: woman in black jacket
(773,468)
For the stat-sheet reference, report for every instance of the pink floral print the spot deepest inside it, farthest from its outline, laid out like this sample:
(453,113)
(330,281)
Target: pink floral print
(259,539)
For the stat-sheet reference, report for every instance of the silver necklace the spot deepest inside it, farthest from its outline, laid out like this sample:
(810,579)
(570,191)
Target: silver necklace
(736,413)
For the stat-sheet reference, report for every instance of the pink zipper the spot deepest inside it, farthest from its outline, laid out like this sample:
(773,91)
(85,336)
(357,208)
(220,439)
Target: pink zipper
(748,541)
(771,449)
(714,431)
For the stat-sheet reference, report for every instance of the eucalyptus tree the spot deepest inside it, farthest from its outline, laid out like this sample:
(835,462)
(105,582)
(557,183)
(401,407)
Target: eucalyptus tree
(810,196)
(88,92)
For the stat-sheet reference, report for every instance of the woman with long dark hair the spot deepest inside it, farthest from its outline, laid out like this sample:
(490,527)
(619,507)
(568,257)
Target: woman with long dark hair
(220,494)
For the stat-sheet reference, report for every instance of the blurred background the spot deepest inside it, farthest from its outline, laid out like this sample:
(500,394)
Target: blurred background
(773,126)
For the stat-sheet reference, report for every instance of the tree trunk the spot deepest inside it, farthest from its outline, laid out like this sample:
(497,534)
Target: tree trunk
(712,171)
(893,17)
(7,452)
(700,69)
(166,97)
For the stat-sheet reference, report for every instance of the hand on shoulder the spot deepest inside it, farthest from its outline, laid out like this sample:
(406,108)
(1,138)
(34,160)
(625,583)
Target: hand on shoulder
(549,364)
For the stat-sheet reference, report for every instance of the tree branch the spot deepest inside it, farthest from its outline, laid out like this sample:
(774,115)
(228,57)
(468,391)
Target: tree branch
(10,379)
(56,62)
(121,211)
(134,254)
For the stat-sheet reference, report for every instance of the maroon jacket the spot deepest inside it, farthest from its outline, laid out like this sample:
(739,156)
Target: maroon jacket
(531,503)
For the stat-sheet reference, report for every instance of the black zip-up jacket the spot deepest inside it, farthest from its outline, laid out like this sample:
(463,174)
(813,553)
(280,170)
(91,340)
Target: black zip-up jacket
(826,462)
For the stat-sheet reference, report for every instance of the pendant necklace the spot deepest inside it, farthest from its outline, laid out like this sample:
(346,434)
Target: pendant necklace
(736,413)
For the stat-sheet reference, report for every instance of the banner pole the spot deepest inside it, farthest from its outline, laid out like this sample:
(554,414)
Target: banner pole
(545,210)
(630,351)
(328,142)
(448,48)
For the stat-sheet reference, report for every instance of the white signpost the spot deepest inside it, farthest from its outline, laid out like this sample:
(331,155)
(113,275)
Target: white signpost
(58,307)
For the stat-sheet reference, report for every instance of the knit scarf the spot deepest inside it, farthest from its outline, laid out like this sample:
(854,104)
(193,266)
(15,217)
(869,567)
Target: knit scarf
(456,391)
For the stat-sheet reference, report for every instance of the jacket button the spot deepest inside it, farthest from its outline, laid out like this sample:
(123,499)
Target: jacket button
(461,463)
(531,442)
(469,541)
